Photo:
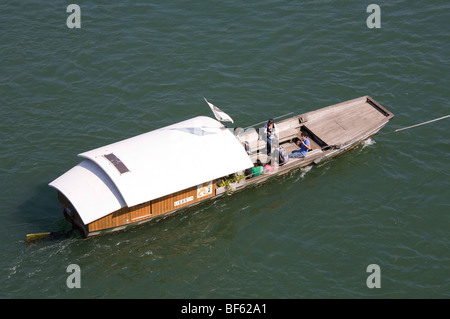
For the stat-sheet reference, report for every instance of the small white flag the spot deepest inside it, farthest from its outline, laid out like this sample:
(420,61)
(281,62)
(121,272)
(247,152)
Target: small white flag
(219,114)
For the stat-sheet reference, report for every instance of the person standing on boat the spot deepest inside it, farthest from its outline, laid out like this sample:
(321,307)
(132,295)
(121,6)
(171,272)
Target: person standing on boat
(272,133)
(305,146)
(237,133)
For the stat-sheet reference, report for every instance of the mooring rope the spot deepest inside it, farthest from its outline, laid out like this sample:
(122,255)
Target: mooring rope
(423,123)
(415,125)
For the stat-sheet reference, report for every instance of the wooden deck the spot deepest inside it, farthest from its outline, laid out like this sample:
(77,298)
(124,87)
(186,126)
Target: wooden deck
(331,131)
(346,122)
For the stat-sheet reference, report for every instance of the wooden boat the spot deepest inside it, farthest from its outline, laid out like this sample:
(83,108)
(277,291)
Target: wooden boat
(133,181)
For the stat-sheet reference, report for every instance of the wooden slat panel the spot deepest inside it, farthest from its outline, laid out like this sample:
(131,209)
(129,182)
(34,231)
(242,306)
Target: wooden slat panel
(114,219)
(157,207)
(123,216)
(120,217)
(174,201)
(345,122)
(180,199)
(140,212)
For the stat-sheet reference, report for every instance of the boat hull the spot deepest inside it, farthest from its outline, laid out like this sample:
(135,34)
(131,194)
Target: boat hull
(332,131)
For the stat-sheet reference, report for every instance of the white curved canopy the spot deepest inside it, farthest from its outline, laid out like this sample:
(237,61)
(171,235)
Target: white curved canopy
(151,165)
(90,191)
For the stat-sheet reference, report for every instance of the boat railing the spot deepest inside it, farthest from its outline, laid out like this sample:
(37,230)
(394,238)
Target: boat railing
(285,116)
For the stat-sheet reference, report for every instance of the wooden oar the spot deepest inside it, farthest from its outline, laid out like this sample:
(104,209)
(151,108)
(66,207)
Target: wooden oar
(31,238)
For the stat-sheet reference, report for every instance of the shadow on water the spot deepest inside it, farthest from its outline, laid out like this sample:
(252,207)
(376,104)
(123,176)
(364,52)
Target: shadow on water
(43,217)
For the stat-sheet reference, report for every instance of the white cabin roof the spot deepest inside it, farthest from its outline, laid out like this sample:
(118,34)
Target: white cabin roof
(90,191)
(151,165)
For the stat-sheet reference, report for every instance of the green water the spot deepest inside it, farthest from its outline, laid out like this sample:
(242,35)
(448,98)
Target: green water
(136,66)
